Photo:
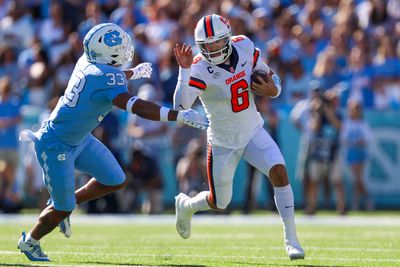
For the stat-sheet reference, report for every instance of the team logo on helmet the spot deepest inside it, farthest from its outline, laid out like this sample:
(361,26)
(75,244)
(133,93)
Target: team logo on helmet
(112,38)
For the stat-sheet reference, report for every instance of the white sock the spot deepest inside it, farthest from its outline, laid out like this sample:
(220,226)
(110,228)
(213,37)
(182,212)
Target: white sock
(198,202)
(285,205)
(31,240)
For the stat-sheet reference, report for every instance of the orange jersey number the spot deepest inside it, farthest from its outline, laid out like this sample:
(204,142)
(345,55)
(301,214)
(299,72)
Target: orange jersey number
(240,96)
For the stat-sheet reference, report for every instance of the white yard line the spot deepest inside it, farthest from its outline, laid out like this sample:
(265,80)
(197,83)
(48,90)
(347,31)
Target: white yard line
(216,220)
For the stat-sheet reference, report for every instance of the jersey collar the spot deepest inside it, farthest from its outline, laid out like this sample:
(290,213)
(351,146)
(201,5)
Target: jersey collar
(234,59)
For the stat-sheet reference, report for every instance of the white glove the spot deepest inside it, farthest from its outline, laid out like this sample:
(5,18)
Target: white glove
(193,118)
(143,70)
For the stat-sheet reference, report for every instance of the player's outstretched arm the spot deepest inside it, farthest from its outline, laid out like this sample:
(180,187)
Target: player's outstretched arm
(152,111)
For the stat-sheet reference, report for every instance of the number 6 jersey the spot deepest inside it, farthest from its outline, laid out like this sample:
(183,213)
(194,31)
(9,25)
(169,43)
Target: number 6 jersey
(86,101)
(225,93)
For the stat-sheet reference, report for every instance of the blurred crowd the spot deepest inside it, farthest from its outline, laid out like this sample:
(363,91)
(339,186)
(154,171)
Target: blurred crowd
(335,57)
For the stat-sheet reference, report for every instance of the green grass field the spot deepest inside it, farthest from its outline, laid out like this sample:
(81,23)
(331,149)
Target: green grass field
(215,241)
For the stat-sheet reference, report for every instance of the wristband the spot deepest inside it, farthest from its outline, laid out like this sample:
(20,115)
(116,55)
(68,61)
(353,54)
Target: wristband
(278,85)
(130,103)
(164,113)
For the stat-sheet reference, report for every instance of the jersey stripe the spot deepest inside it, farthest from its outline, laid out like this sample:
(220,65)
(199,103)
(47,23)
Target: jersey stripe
(208,28)
(195,82)
(210,174)
(256,54)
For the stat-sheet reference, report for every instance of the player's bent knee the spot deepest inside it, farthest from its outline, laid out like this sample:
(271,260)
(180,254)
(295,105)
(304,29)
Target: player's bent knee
(118,181)
(278,175)
(117,186)
(63,202)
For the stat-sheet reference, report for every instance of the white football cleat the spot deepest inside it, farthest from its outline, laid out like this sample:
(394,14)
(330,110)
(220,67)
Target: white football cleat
(294,250)
(183,216)
(31,251)
(65,227)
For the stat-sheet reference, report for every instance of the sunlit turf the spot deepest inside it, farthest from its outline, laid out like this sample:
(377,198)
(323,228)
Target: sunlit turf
(141,243)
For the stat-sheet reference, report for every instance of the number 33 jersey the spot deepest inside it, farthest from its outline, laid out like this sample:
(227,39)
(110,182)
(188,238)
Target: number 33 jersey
(86,101)
(225,92)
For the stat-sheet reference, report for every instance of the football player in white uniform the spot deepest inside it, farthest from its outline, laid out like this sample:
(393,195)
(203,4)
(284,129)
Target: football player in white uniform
(221,77)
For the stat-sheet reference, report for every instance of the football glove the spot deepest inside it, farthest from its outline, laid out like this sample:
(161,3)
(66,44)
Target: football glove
(143,70)
(193,118)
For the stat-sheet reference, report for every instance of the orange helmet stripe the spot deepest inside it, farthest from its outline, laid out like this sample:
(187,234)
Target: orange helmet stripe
(208,26)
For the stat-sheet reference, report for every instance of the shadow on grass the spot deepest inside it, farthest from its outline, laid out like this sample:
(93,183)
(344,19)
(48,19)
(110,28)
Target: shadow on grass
(21,264)
(314,265)
(292,265)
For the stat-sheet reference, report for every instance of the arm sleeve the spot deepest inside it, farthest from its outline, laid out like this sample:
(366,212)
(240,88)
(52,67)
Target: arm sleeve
(187,89)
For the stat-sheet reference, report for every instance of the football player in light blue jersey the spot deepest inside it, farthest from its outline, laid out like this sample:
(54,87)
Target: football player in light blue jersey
(64,141)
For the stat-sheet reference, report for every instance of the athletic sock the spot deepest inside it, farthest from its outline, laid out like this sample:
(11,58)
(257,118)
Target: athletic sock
(198,202)
(285,205)
(29,239)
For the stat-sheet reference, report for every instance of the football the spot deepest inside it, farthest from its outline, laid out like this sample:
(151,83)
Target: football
(259,73)
(264,90)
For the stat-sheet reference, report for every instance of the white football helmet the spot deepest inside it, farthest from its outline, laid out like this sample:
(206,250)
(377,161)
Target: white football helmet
(210,29)
(107,43)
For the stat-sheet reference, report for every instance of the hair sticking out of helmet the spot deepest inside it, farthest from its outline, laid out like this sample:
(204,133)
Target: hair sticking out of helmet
(213,38)
(107,43)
